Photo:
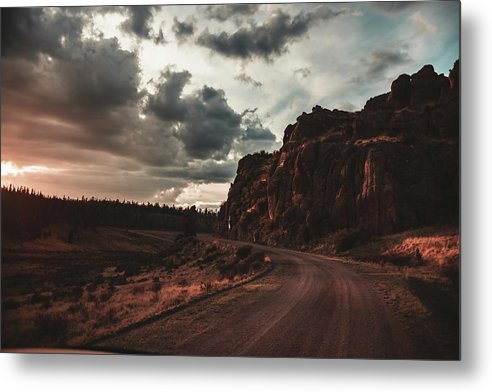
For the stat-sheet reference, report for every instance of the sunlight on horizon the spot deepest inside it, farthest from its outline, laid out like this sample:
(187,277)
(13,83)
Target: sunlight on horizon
(10,169)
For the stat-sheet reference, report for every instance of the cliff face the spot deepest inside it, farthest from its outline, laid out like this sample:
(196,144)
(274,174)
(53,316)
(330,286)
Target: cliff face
(392,166)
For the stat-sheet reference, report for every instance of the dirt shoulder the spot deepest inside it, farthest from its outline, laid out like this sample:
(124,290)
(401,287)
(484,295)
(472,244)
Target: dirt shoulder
(417,274)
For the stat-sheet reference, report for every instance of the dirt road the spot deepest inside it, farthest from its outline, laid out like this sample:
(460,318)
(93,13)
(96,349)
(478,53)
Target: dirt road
(308,306)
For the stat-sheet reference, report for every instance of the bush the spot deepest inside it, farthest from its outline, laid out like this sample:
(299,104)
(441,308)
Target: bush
(210,257)
(243,267)
(211,248)
(156,284)
(132,269)
(53,326)
(137,290)
(76,292)
(256,260)
(243,252)
(345,240)
(109,317)
(105,296)
(10,304)
(226,269)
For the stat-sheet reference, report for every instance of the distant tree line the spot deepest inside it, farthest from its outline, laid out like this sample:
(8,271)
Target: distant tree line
(26,214)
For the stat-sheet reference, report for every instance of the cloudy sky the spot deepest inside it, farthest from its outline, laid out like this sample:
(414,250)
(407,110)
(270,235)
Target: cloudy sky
(158,103)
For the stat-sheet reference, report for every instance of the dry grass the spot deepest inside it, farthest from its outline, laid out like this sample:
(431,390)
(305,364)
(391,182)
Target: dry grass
(436,246)
(102,239)
(56,299)
(440,250)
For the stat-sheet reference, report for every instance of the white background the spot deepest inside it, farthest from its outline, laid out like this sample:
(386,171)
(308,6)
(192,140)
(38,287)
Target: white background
(136,373)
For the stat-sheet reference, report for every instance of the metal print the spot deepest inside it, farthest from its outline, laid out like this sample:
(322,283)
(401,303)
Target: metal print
(268,180)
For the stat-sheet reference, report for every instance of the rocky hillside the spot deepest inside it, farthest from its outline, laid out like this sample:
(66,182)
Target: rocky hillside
(392,166)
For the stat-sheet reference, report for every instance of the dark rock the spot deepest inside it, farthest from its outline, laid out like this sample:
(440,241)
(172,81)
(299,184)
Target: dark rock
(400,91)
(392,166)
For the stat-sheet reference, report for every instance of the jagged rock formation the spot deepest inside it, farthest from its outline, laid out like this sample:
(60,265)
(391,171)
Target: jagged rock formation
(392,166)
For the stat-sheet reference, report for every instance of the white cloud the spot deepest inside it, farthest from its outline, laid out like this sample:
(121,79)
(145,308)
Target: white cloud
(422,25)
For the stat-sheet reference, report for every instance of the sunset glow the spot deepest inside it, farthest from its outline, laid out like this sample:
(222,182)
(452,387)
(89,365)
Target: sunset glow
(10,169)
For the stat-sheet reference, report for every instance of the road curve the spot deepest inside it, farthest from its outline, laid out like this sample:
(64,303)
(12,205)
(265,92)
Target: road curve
(308,306)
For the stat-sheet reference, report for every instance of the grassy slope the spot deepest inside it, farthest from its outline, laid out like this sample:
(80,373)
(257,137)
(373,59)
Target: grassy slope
(57,294)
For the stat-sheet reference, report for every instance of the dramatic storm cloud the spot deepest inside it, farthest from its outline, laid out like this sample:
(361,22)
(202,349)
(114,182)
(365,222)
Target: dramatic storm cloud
(159,103)
(379,62)
(228,11)
(185,29)
(139,21)
(30,32)
(268,39)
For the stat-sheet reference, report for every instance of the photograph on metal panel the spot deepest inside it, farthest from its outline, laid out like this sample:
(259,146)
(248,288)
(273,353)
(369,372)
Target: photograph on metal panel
(261,180)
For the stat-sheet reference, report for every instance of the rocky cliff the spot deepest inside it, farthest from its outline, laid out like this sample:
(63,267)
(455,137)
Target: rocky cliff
(393,165)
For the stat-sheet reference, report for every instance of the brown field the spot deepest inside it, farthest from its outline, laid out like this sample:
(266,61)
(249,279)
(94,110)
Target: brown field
(56,294)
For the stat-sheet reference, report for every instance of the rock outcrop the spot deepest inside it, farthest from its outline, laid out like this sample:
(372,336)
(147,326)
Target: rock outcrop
(392,166)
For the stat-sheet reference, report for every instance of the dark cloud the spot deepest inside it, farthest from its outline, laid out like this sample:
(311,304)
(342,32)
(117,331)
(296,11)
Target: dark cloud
(246,79)
(204,122)
(303,72)
(211,125)
(77,103)
(185,29)
(202,171)
(139,22)
(90,77)
(166,103)
(87,97)
(255,136)
(266,40)
(226,12)
(29,32)
(384,59)
(379,63)
(99,75)
(213,171)
(139,19)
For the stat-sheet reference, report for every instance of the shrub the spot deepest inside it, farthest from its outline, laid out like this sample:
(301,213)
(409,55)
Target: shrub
(210,257)
(211,248)
(243,267)
(256,260)
(345,240)
(53,326)
(156,285)
(132,269)
(109,317)
(227,270)
(36,298)
(76,292)
(206,286)
(243,252)
(137,290)
(10,304)
(105,296)
(118,280)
